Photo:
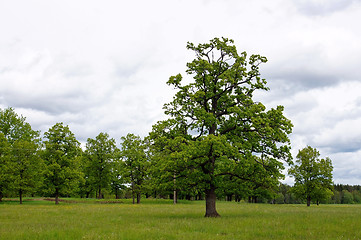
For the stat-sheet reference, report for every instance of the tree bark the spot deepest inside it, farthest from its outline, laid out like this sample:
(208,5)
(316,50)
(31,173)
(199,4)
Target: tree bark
(1,196)
(175,197)
(229,197)
(117,194)
(211,203)
(133,192)
(308,201)
(56,197)
(99,192)
(21,196)
(138,198)
(174,190)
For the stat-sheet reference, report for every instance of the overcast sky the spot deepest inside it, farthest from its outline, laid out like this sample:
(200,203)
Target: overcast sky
(102,66)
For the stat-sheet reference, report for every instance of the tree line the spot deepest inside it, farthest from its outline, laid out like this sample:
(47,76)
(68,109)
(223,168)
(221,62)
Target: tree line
(57,166)
(218,142)
(341,194)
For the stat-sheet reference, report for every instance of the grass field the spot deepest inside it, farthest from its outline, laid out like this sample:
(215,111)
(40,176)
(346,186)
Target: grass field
(160,219)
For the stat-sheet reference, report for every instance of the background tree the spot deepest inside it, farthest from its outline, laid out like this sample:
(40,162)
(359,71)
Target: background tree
(27,169)
(62,158)
(117,182)
(167,148)
(100,154)
(224,128)
(313,176)
(5,166)
(134,163)
(19,160)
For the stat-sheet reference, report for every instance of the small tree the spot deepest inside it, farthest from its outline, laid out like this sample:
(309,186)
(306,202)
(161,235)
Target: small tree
(313,176)
(5,166)
(134,163)
(99,155)
(117,182)
(20,166)
(27,169)
(62,158)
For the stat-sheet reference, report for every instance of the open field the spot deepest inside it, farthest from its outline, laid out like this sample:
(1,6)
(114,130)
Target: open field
(160,219)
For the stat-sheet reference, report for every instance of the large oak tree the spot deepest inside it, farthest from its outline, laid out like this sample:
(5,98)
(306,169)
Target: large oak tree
(221,128)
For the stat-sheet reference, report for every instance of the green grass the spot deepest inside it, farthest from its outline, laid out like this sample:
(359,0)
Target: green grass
(160,219)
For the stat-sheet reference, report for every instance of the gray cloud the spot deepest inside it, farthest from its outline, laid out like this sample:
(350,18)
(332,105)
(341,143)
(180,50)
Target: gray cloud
(322,7)
(102,67)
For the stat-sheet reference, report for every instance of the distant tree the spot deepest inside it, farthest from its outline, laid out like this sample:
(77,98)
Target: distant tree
(356,196)
(117,181)
(313,176)
(284,189)
(221,125)
(347,197)
(27,169)
(15,127)
(100,154)
(20,165)
(5,166)
(62,158)
(134,163)
(167,170)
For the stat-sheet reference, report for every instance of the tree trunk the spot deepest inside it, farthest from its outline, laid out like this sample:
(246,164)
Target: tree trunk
(99,192)
(117,194)
(175,197)
(174,190)
(308,201)
(138,198)
(21,196)
(1,196)
(211,203)
(56,197)
(133,192)
(229,197)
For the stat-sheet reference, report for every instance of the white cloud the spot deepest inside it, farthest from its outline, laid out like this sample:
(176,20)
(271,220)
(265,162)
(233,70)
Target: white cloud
(102,66)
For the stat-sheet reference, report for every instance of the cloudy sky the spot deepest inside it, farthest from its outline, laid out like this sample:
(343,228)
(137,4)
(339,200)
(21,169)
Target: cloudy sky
(101,66)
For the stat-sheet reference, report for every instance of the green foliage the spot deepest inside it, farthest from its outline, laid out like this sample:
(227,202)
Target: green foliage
(313,176)
(135,163)
(62,158)
(15,128)
(5,165)
(215,128)
(347,197)
(20,164)
(27,168)
(100,156)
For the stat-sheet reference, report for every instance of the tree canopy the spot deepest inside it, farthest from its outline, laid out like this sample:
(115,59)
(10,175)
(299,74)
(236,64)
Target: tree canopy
(313,176)
(222,128)
(19,160)
(62,158)
(135,163)
(100,155)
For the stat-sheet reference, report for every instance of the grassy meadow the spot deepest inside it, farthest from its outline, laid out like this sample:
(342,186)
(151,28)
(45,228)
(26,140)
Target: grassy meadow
(160,219)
